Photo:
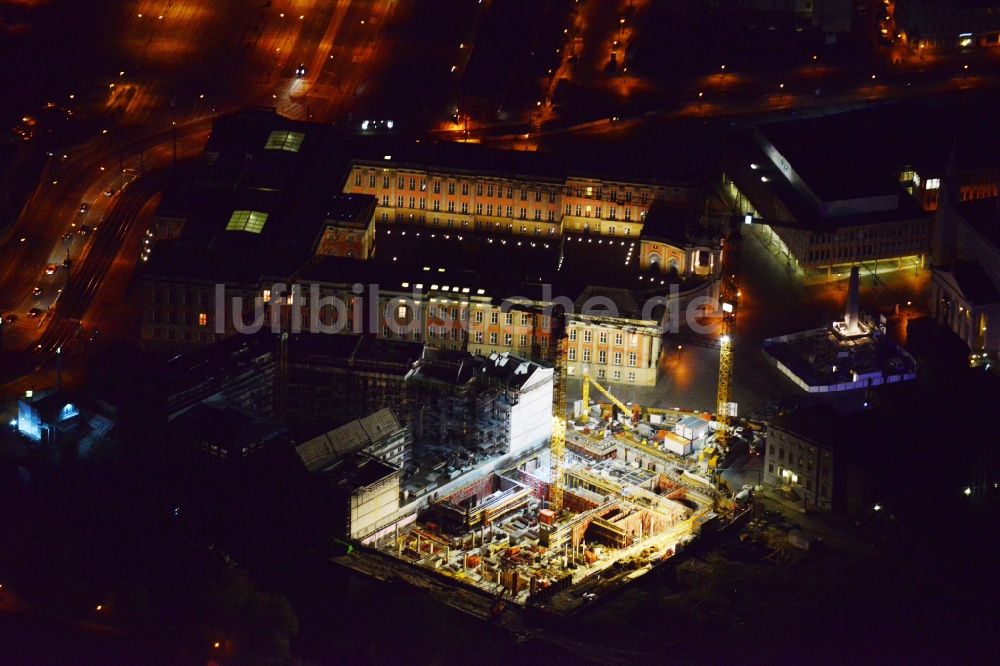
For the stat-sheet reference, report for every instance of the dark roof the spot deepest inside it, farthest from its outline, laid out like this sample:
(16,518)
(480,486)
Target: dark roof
(983,215)
(226,426)
(507,369)
(342,207)
(358,470)
(49,404)
(240,173)
(975,283)
(848,433)
(857,153)
(669,224)
(485,161)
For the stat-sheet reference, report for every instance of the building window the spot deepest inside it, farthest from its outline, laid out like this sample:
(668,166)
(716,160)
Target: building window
(202,319)
(371,180)
(357,179)
(510,212)
(552,218)
(479,337)
(602,337)
(451,206)
(465,188)
(413,183)
(617,374)
(586,335)
(400,183)
(508,318)
(479,189)
(631,376)
(571,352)
(385,182)
(508,339)
(479,209)
(524,340)
(632,356)
(489,190)
(586,356)
(523,215)
(933,183)
(451,188)
(479,316)
(437,187)
(493,338)
(602,356)
(494,317)
(572,335)
(618,358)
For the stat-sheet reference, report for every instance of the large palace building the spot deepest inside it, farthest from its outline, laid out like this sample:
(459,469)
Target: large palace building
(451,245)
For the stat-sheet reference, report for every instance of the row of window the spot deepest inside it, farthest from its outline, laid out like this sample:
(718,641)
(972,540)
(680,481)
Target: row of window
(602,357)
(602,337)
(491,190)
(615,374)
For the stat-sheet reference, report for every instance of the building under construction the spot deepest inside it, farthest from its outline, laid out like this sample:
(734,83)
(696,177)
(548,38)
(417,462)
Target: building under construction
(492,405)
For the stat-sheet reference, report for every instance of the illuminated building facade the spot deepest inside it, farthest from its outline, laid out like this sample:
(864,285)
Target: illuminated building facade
(454,246)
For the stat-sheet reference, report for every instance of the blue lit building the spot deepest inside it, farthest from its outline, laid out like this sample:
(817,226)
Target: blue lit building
(47,416)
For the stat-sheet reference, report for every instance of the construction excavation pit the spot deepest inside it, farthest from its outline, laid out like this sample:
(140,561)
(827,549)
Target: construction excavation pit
(499,535)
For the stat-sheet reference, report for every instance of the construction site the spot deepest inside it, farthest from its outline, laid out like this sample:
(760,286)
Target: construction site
(614,491)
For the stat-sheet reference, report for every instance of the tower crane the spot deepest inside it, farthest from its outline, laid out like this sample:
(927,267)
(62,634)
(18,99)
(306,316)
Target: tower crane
(729,294)
(557,446)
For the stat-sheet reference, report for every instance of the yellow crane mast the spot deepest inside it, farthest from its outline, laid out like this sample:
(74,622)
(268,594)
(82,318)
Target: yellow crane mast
(729,294)
(557,446)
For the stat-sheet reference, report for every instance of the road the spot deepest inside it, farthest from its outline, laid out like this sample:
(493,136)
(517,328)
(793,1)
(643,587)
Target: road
(173,66)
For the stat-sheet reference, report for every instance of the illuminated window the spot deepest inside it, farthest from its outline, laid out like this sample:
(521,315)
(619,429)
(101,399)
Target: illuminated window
(282,140)
(202,319)
(247,220)
(267,295)
(401,312)
(933,183)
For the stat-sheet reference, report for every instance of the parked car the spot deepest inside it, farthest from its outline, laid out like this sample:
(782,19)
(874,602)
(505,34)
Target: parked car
(34,312)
